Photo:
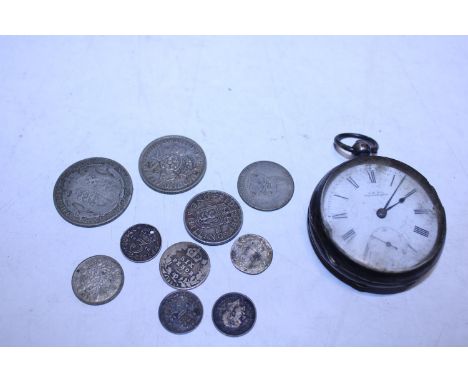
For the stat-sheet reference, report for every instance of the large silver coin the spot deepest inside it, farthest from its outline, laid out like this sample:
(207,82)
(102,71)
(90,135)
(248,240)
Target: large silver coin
(184,265)
(93,192)
(97,280)
(213,217)
(172,164)
(234,314)
(265,186)
(180,312)
(251,254)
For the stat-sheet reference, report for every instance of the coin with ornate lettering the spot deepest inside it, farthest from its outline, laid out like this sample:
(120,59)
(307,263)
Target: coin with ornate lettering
(97,280)
(93,192)
(265,186)
(172,164)
(251,254)
(140,243)
(234,314)
(213,217)
(180,312)
(184,265)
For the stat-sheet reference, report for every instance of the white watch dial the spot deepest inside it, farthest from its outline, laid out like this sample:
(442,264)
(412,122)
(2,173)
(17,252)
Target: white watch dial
(380,217)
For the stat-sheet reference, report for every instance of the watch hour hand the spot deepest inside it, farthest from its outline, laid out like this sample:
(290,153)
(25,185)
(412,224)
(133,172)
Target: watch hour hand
(402,200)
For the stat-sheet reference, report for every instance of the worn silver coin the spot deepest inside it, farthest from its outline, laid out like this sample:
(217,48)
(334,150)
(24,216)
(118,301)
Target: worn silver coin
(97,280)
(172,164)
(184,265)
(180,312)
(251,254)
(93,192)
(265,186)
(140,243)
(234,314)
(213,217)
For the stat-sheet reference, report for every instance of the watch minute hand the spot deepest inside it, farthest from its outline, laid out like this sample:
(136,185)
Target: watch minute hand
(382,212)
(394,192)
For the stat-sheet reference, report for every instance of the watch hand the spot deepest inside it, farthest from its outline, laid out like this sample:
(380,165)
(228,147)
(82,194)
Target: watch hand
(382,212)
(394,192)
(409,246)
(387,243)
(402,200)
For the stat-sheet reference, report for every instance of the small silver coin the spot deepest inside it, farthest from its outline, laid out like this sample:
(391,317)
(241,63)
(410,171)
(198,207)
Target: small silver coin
(234,314)
(97,280)
(140,243)
(172,164)
(180,312)
(265,186)
(251,254)
(93,192)
(213,217)
(184,265)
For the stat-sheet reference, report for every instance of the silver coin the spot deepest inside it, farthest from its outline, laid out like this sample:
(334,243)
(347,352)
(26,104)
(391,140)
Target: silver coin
(140,243)
(251,254)
(180,312)
(97,280)
(234,314)
(93,192)
(265,186)
(184,265)
(172,164)
(213,217)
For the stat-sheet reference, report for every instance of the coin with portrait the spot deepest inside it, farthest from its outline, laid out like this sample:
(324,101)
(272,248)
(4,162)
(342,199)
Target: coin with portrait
(234,314)
(93,192)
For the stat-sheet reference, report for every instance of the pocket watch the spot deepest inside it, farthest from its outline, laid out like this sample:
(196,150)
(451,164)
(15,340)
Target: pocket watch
(375,222)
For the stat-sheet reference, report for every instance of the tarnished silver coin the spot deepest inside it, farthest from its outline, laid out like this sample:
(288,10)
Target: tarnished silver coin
(234,314)
(97,280)
(93,192)
(184,265)
(180,312)
(140,243)
(265,186)
(213,217)
(251,254)
(172,164)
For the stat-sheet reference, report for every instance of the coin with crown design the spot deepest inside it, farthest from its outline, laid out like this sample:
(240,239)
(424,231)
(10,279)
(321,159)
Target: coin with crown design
(172,164)
(184,265)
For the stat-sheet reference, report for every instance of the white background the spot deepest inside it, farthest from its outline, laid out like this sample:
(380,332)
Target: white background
(242,99)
